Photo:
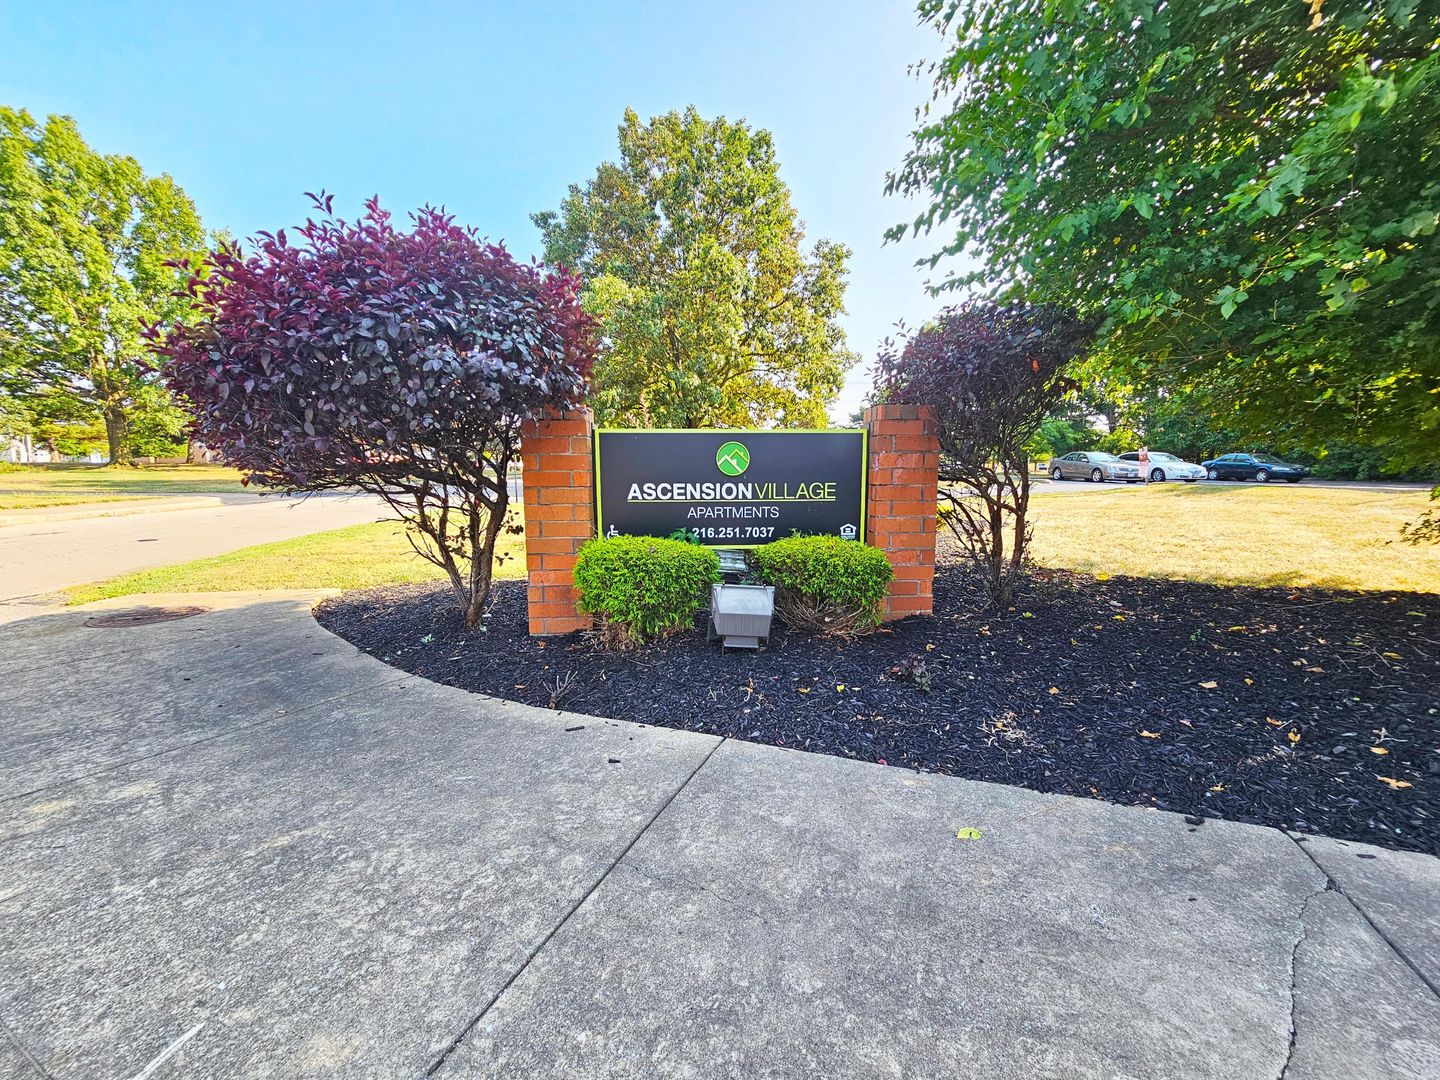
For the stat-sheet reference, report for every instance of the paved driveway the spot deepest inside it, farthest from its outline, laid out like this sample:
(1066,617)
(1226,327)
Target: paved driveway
(43,557)
(236,847)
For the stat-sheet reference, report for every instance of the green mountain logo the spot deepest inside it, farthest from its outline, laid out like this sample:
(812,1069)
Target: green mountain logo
(732,459)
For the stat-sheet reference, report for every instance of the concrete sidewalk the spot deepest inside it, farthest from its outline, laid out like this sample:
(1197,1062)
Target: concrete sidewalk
(235,847)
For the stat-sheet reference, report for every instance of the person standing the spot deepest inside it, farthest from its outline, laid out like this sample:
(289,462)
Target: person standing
(1145,463)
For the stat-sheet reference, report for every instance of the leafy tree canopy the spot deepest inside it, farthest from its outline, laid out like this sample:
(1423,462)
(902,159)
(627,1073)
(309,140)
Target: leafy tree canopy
(691,254)
(85,242)
(1247,190)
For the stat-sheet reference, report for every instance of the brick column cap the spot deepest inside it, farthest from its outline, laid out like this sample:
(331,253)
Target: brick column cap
(899,412)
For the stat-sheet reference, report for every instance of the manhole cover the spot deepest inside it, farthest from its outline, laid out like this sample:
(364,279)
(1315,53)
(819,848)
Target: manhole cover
(142,616)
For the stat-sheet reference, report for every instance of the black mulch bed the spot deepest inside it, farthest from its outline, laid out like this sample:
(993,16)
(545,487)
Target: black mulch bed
(1269,706)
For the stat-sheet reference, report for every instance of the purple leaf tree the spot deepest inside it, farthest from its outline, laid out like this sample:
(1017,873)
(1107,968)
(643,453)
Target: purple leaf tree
(992,373)
(359,356)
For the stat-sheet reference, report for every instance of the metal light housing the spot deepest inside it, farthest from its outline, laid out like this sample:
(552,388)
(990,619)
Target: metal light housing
(740,615)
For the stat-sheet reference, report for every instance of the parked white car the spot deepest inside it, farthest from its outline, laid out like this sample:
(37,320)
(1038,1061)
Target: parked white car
(1168,467)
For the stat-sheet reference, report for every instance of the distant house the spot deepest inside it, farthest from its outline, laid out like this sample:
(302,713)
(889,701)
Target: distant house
(20,450)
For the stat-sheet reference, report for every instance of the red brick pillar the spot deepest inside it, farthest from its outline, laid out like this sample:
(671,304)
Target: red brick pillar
(559,477)
(900,505)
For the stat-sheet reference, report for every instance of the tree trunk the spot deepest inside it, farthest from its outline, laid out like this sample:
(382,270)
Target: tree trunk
(482,556)
(115,432)
(999,585)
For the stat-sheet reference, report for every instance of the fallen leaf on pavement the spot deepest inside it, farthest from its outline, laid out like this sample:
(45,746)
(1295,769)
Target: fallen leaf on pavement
(968,834)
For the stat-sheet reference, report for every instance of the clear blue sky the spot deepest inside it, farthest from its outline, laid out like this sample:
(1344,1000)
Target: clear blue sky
(490,109)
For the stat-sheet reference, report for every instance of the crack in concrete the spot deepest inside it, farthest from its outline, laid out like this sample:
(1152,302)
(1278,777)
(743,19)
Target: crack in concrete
(1300,939)
(1335,886)
(736,904)
(702,887)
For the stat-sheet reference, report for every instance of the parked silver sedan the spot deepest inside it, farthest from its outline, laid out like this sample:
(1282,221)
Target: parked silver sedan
(1164,466)
(1094,465)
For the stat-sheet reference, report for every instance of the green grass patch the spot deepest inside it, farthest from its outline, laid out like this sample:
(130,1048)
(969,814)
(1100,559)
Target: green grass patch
(352,558)
(37,500)
(119,479)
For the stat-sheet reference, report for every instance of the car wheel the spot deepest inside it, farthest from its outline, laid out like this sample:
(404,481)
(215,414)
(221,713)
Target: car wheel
(1213,474)
(1056,474)
(1096,476)
(1262,476)
(1157,476)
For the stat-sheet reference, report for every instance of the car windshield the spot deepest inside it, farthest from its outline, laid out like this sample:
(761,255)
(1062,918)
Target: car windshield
(1097,456)
(1155,455)
(1269,459)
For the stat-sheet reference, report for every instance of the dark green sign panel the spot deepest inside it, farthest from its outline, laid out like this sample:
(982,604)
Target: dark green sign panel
(731,488)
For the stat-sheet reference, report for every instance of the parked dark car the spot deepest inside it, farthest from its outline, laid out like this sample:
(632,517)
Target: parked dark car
(1261,467)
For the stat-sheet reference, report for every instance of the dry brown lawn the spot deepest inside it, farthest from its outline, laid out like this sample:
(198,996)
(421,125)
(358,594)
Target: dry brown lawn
(1336,538)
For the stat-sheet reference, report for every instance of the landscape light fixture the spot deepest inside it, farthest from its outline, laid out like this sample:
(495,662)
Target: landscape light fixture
(740,615)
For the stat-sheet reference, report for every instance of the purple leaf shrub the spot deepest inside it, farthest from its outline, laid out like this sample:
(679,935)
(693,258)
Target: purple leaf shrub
(359,356)
(992,373)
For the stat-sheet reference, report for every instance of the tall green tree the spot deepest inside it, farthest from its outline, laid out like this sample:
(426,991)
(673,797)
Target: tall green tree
(690,249)
(1247,190)
(84,242)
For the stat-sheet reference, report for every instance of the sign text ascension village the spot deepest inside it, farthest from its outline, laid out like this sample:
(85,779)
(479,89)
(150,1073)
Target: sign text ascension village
(731,492)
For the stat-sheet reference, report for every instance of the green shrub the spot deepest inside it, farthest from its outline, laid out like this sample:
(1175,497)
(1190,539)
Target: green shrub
(642,587)
(824,584)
